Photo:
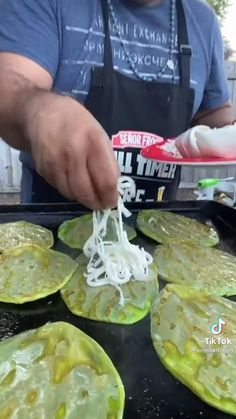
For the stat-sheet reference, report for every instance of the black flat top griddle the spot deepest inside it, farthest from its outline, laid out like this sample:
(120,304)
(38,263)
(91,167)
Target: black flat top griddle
(151,391)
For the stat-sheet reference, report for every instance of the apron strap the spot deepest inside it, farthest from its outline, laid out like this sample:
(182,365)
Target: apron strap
(108,60)
(185,50)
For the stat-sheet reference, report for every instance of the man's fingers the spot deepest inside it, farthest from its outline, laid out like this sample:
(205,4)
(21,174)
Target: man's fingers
(82,188)
(63,187)
(104,173)
(57,177)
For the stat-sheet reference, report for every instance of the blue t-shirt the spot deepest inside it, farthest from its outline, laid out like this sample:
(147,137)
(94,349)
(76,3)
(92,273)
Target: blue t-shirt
(66,37)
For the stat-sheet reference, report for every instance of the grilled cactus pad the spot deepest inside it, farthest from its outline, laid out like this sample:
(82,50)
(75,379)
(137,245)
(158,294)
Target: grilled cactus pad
(182,320)
(21,232)
(58,372)
(74,233)
(30,272)
(102,303)
(186,263)
(165,227)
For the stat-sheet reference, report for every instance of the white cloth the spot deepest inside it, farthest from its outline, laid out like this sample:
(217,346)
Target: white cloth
(202,141)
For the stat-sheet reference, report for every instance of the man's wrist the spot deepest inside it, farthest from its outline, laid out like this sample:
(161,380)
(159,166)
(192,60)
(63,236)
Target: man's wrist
(31,106)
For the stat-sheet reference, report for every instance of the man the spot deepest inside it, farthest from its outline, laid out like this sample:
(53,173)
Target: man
(76,74)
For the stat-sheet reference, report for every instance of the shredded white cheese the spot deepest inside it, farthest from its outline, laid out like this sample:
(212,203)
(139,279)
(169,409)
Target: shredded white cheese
(115,262)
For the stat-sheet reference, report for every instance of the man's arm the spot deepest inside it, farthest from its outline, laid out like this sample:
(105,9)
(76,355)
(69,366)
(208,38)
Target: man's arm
(20,80)
(29,59)
(215,109)
(29,56)
(215,118)
(69,147)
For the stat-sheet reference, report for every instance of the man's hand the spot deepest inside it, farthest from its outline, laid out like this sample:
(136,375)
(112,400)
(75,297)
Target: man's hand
(71,150)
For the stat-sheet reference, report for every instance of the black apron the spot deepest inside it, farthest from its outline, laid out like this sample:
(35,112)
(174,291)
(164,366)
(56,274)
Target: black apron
(121,103)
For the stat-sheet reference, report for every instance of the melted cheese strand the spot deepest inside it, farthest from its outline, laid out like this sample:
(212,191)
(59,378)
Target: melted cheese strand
(115,262)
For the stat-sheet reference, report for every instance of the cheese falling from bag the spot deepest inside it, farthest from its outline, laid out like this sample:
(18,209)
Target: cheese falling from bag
(115,262)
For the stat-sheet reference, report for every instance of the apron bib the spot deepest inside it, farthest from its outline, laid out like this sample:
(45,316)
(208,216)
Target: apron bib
(127,108)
